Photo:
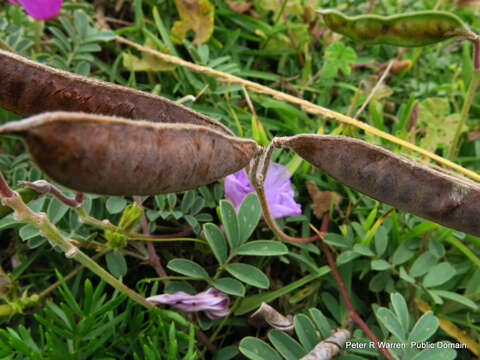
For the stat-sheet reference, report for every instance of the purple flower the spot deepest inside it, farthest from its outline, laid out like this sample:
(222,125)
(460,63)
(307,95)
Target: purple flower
(213,302)
(278,190)
(39,9)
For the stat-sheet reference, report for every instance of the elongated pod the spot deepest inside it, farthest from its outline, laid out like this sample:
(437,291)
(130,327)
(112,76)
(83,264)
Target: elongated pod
(449,200)
(409,29)
(29,88)
(115,156)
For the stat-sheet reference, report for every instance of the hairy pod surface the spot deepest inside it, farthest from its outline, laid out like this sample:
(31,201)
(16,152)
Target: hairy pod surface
(408,30)
(28,88)
(387,177)
(115,156)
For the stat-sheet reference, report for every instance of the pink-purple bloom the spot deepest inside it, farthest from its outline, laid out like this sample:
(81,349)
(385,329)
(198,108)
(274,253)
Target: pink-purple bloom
(278,190)
(39,9)
(213,302)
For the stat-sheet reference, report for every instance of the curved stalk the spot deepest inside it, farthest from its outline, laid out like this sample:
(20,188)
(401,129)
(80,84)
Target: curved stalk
(257,179)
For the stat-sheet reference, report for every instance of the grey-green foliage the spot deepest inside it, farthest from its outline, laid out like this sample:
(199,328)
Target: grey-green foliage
(414,340)
(238,229)
(75,41)
(396,323)
(310,328)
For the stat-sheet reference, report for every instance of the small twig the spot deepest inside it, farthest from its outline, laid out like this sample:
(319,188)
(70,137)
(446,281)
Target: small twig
(201,92)
(43,187)
(250,105)
(343,291)
(375,89)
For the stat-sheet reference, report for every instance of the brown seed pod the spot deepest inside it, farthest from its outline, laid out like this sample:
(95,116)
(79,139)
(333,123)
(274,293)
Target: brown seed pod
(29,88)
(447,199)
(115,156)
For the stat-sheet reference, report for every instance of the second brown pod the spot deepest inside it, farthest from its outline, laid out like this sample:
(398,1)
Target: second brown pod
(115,156)
(449,200)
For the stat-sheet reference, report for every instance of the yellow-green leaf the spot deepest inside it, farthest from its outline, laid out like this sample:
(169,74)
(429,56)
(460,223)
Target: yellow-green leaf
(195,15)
(147,62)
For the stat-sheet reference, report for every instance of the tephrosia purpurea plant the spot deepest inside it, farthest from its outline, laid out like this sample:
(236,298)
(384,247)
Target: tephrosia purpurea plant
(95,138)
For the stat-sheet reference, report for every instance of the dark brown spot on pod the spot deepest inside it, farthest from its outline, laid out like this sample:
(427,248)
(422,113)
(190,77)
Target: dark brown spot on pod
(29,88)
(115,156)
(447,199)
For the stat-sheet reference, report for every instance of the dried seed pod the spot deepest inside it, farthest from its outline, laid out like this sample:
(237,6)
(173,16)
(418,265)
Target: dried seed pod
(447,199)
(115,156)
(410,29)
(29,88)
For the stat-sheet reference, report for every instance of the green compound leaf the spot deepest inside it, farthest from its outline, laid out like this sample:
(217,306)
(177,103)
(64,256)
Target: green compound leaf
(391,323)
(115,204)
(425,327)
(456,297)
(263,248)
(437,353)
(256,349)
(230,222)
(56,210)
(286,345)
(439,274)
(401,310)
(216,241)
(248,216)
(338,57)
(321,322)
(230,286)
(305,330)
(249,275)
(187,268)
(116,264)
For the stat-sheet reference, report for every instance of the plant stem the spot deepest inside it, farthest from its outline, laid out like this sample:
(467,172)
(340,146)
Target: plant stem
(343,291)
(257,180)
(467,103)
(152,254)
(51,232)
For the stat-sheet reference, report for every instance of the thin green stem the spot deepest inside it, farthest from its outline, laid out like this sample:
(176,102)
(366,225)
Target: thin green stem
(51,232)
(146,238)
(4,45)
(173,277)
(36,29)
(464,249)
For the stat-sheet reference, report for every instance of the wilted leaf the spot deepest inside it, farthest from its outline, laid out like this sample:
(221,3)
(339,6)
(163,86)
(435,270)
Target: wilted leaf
(321,199)
(292,7)
(397,66)
(239,6)
(147,62)
(195,15)
(434,116)
(370,82)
